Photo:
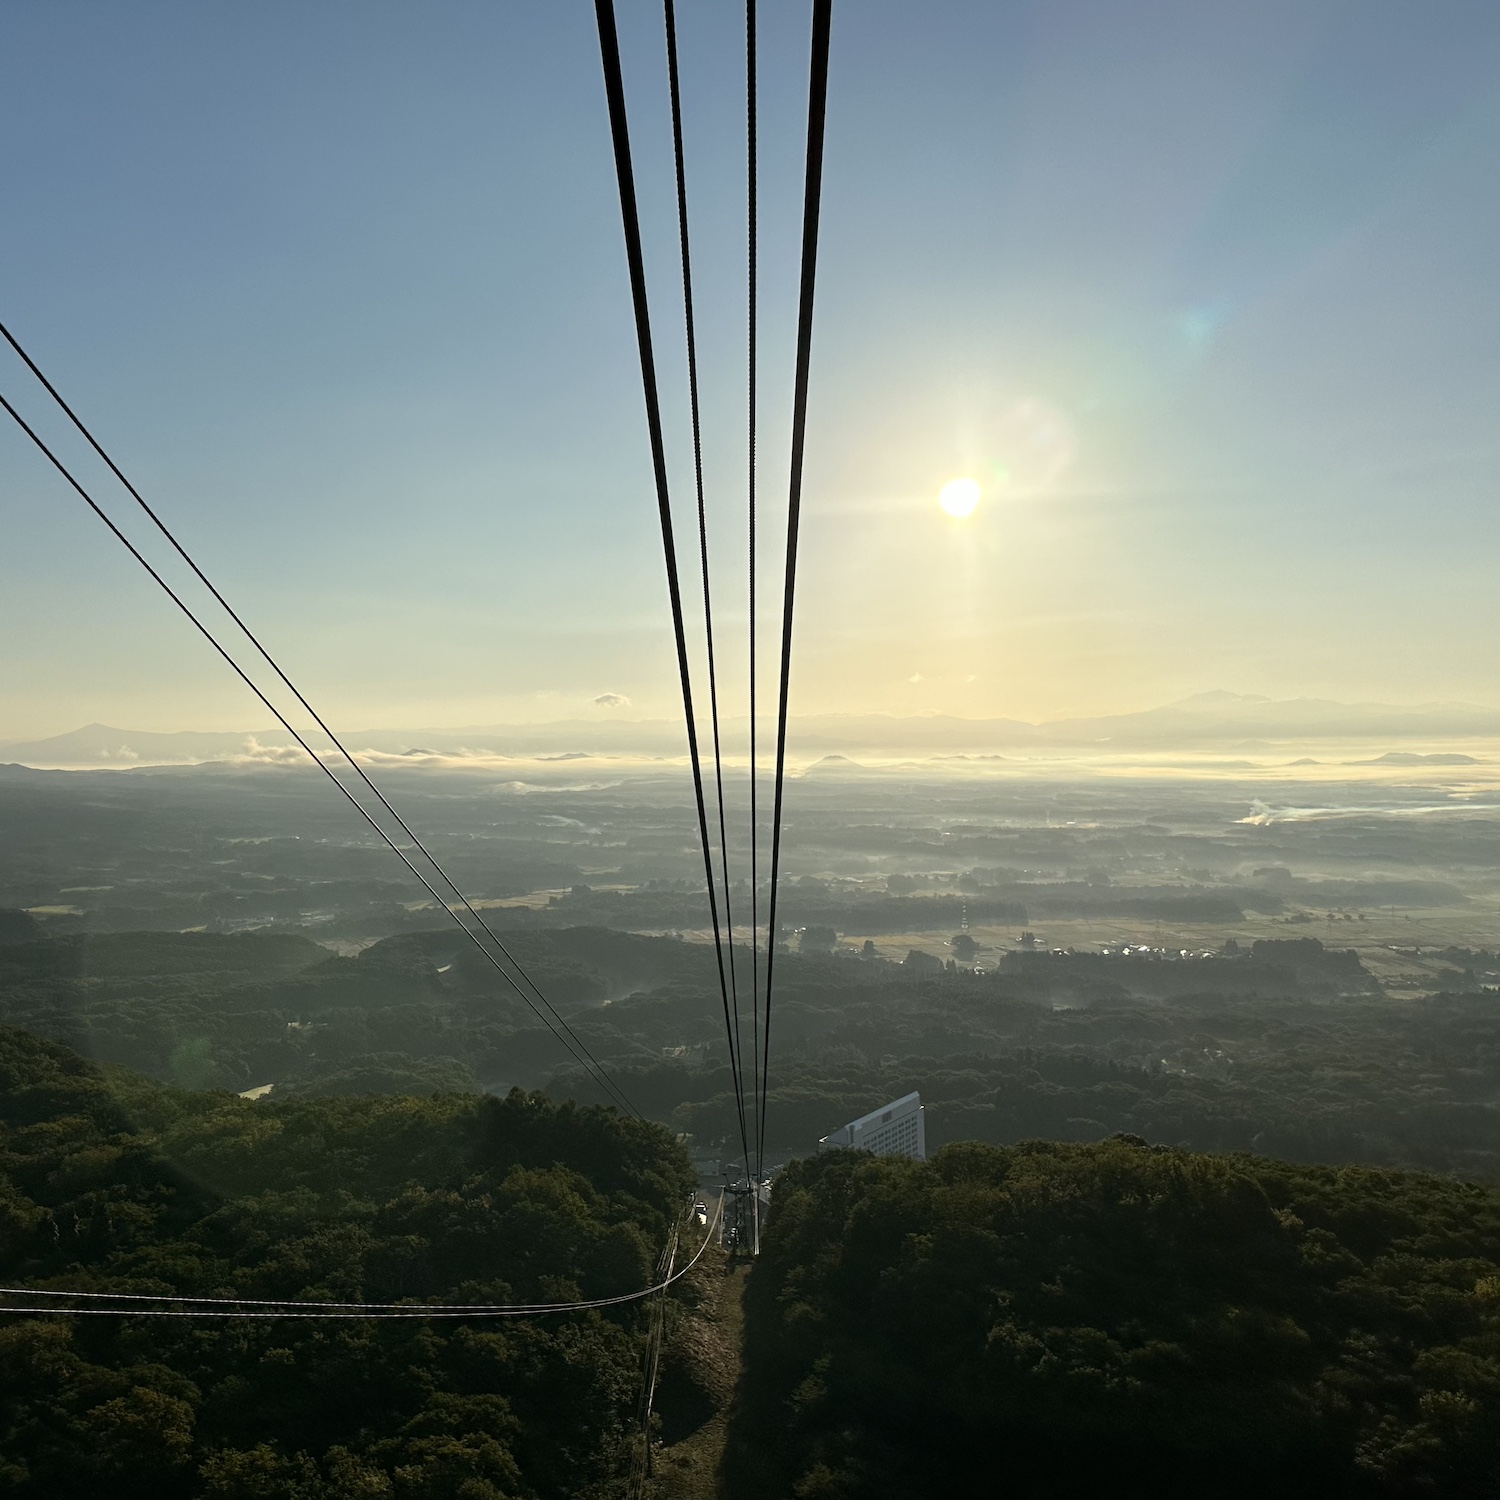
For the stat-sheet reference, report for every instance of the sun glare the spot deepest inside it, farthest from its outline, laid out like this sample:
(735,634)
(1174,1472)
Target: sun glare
(959,497)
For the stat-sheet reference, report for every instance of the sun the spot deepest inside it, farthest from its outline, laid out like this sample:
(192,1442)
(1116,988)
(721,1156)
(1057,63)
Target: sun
(959,498)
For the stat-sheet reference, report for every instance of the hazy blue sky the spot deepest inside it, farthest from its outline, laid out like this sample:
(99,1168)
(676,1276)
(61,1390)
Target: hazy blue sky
(1204,295)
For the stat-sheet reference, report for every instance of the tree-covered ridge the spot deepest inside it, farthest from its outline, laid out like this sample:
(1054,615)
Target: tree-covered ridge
(1117,1319)
(1410,1084)
(122,1185)
(416,1013)
(999,1057)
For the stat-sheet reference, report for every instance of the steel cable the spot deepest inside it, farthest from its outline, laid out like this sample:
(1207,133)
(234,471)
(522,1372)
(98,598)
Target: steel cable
(368,1311)
(817,109)
(752,315)
(614,87)
(275,666)
(690,328)
(564,1033)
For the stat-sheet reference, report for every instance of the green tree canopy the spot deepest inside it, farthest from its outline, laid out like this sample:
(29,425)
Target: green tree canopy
(1119,1319)
(122,1185)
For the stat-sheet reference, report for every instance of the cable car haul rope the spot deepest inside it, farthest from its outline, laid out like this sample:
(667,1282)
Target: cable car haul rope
(750,1086)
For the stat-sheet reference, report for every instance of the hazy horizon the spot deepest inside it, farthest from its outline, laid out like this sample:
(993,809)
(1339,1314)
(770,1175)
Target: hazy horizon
(620,714)
(1453,750)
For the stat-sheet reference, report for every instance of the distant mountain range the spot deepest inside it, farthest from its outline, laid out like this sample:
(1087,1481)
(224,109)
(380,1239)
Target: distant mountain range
(1217,721)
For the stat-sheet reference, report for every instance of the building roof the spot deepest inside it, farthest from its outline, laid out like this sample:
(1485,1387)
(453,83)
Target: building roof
(876,1116)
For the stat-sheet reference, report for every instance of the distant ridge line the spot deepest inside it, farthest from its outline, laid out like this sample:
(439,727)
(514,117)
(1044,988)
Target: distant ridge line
(1221,720)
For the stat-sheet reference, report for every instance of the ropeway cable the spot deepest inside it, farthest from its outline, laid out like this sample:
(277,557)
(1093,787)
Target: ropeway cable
(276,667)
(690,329)
(752,339)
(817,109)
(614,88)
(369,1311)
(609,50)
(561,1030)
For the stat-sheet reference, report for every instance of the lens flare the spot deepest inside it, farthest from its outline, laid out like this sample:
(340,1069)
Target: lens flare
(959,498)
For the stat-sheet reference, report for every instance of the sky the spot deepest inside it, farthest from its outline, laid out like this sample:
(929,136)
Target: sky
(1202,296)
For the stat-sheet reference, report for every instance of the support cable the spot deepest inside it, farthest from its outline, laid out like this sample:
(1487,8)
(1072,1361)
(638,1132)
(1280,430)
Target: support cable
(275,666)
(369,1311)
(614,87)
(752,315)
(555,1023)
(817,109)
(689,322)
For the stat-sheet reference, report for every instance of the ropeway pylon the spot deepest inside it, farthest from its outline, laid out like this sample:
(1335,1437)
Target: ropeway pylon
(743,1216)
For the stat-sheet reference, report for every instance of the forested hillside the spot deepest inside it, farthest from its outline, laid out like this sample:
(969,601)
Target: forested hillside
(1412,1089)
(1346,1077)
(1115,1319)
(112,1183)
(413,1013)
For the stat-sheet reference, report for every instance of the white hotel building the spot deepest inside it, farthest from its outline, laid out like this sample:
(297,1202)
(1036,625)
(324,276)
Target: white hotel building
(895,1129)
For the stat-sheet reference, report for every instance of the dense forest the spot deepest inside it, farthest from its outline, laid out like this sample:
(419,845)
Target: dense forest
(112,1183)
(1116,1319)
(1319,1090)
(1285,1048)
